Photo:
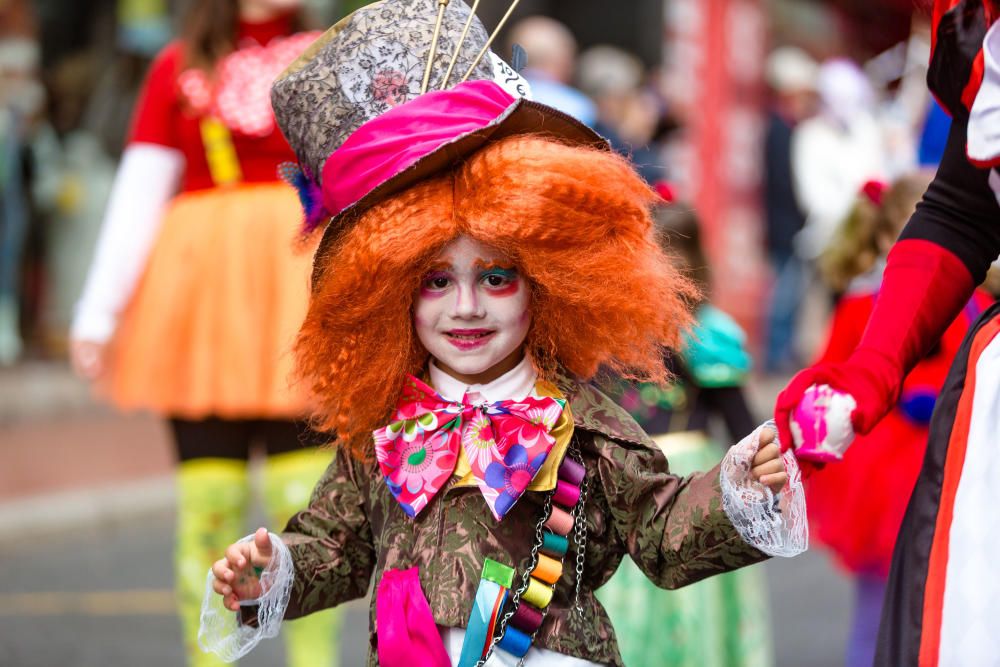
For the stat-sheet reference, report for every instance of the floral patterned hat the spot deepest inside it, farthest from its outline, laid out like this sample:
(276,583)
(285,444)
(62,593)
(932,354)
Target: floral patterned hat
(393,93)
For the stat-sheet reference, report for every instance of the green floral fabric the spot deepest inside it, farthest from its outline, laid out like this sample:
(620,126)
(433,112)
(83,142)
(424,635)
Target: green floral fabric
(723,621)
(673,528)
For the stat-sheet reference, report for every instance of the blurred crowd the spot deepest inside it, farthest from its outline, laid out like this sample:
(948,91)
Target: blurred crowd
(832,126)
(849,140)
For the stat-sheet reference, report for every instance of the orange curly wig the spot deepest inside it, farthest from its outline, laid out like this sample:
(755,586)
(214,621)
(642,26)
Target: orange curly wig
(576,223)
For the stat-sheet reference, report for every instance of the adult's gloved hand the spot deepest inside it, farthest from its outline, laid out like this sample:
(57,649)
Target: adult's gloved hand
(821,409)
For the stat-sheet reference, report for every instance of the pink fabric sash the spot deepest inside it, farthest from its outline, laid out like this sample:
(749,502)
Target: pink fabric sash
(389,144)
(407,634)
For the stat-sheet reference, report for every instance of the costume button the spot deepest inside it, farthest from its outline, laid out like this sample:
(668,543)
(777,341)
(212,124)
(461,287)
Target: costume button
(554,545)
(571,471)
(548,569)
(527,618)
(538,594)
(566,494)
(515,642)
(560,521)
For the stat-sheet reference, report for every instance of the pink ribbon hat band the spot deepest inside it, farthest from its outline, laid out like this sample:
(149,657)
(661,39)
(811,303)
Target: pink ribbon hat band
(415,140)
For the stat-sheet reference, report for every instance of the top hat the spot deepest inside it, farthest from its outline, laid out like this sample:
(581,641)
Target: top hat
(394,93)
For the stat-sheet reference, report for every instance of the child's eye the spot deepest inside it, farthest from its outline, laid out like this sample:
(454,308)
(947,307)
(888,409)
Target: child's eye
(437,281)
(494,280)
(499,278)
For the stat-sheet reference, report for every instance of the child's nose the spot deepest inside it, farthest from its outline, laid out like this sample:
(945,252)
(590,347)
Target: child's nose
(467,303)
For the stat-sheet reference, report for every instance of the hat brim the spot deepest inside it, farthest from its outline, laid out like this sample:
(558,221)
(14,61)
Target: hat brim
(523,117)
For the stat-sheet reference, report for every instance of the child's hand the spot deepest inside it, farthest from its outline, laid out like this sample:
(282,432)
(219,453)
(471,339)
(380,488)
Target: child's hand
(237,576)
(768,468)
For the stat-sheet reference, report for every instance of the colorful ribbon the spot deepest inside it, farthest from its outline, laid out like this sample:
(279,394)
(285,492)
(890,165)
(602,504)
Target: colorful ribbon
(494,587)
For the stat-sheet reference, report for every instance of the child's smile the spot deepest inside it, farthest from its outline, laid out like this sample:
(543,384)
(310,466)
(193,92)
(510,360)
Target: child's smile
(469,339)
(471,313)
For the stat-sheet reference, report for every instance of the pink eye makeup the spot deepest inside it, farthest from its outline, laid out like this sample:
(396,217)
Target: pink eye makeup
(435,282)
(500,281)
(472,310)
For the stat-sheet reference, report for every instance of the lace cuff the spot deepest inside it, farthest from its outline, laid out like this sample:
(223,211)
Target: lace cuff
(228,634)
(774,523)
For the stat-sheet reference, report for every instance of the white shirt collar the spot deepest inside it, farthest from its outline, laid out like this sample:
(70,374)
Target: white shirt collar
(516,384)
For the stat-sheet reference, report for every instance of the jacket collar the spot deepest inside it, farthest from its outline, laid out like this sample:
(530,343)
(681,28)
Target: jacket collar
(515,384)
(592,410)
(595,412)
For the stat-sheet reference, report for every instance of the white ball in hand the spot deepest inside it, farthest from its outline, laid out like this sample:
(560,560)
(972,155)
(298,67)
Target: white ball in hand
(821,425)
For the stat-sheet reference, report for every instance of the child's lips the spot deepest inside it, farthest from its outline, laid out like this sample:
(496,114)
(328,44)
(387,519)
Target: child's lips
(469,339)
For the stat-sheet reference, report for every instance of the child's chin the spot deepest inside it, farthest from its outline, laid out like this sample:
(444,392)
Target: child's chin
(471,366)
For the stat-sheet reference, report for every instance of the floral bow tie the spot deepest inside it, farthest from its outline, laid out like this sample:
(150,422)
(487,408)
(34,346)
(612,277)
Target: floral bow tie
(506,444)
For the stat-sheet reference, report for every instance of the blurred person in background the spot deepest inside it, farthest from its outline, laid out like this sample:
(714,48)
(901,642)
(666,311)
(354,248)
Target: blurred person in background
(22,100)
(856,505)
(91,87)
(791,76)
(724,621)
(899,75)
(70,188)
(628,116)
(933,135)
(195,293)
(551,50)
(992,282)
(834,153)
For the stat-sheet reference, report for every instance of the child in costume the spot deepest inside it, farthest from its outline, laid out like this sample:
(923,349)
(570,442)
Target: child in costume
(856,506)
(942,595)
(723,621)
(195,293)
(486,254)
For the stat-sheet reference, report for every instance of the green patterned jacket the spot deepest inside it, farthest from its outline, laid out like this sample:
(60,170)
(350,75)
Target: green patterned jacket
(673,528)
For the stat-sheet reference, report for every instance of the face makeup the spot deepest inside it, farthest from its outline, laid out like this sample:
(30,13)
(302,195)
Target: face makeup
(472,312)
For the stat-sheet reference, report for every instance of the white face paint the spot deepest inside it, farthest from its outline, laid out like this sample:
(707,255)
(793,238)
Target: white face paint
(472,312)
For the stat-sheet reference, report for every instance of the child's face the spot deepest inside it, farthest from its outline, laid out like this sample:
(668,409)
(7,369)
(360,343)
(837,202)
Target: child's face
(472,312)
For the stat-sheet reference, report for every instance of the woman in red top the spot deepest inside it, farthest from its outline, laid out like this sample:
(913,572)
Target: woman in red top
(196,291)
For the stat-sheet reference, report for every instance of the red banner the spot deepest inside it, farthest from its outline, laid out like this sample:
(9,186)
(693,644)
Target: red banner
(715,52)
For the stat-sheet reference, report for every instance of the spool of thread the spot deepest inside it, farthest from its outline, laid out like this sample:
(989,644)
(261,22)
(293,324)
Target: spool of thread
(548,569)
(527,619)
(515,642)
(566,494)
(538,594)
(554,545)
(560,522)
(571,471)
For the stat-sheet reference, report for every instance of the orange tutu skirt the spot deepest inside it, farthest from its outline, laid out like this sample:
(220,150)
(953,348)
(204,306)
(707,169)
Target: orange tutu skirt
(210,329)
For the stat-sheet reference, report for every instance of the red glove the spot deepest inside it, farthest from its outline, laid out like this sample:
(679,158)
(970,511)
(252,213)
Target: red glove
(924,288)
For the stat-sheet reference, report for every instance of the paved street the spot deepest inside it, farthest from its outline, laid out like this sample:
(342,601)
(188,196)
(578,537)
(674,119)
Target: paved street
(86,548)
(100,596)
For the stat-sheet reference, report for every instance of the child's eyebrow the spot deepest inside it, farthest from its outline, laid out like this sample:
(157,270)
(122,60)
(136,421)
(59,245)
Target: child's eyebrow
(484,265)
(439,265)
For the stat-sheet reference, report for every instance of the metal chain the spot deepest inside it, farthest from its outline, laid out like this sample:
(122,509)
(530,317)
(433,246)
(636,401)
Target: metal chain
(525,580)
(580,541)
(580,532)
